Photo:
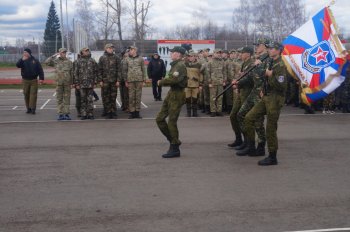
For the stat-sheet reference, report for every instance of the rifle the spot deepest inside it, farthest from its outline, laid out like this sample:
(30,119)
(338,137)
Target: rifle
(265,78)
(243,75)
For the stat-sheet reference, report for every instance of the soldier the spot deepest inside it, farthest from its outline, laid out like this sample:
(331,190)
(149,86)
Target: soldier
(85,74)
(273,97)
(173,102)
(136,79)
(195,80)
(204,94)
(109,76)
(262,61)
(64,81)
(232,69)
(77,91)
(124,92)
(244,87)
(217,79)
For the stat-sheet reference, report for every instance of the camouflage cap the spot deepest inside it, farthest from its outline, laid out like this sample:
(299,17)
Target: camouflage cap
(206,50)
(200,50)
(240,49)
(217,50)
(109,45)
(61,50)
(275,44)
(264,41)
(232,51)
(192,53)
(132,47)
(84,49)
(248,50)
(225,51)
(178,49)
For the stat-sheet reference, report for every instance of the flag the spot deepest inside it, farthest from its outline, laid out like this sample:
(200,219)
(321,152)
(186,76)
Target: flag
(315,55)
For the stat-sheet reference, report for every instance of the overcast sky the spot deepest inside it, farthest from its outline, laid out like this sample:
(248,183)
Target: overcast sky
(26,18)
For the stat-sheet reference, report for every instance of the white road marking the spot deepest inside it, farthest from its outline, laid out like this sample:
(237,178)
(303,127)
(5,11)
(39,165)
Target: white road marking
(118,103)
(42,107)
(323,230)
(15,107)
(54,94)
(144,105)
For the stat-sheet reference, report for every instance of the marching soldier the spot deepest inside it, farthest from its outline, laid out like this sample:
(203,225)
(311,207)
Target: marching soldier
(173,102)
(136,79)
(64,80)
(109,76)
(217,79)
(85,74)
(273,97)
(195,79)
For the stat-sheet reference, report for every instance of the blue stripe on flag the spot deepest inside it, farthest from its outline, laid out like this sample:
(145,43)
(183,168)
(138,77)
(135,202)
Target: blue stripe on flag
(292,40)
(318,24)
(322,76)
(317,96)
(335,66)
(343,71)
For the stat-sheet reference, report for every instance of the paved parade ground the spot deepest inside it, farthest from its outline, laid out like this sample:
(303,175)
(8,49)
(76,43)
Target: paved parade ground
(108,175)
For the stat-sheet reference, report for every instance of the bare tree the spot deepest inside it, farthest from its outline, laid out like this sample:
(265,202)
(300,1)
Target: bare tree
(118,11)
(86,16)
(139,12)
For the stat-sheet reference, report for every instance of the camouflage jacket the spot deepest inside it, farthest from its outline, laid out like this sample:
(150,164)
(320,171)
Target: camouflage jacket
(232,70)
(217,71)
(64,70)
(85,72)
(259,74)
(109,68)
(195,76)
(204,69)
(277,83)
(177,77)
(245,85)
(124,70)
(135,69)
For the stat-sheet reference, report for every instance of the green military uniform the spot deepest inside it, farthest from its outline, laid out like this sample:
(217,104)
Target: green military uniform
(77,92)
(232,69)
(204,95)
(135,69)
(124,92)
(175,99)
(271,105)
(85,74)
(109,74)
(195,79)
(217,77)
(64,80)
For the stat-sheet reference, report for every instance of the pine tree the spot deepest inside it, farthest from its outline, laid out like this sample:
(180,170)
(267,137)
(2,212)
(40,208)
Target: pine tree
(52,27)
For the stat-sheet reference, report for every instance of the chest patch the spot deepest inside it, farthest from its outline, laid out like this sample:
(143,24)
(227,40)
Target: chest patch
(280,79)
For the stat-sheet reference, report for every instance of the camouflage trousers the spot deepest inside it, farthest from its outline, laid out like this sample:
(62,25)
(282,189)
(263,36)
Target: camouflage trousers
(248,104)
(192,92)
(204,96)
(109,93)
(233,115)
(30,91)
(271,107)
(87,108)
(63,98)
(124,95)
(78,101)
(135,94)
(171,108)
(215,106)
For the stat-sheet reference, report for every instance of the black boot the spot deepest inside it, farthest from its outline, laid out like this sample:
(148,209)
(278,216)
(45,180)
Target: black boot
(243,145)
(345,108)
(173,152)
(194,107)
(248,150)
(132,115)
(188,106)
(29,110)
(33,111)
(137,115)
(270,160)
(207,109)
(260,150)
(237,142)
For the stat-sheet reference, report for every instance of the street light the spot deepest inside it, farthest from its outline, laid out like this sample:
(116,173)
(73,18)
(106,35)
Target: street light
(56,40)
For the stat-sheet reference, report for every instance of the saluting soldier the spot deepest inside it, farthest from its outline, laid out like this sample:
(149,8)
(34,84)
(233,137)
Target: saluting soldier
(273,97)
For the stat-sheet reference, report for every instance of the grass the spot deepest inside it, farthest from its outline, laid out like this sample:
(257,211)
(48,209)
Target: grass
(7,65)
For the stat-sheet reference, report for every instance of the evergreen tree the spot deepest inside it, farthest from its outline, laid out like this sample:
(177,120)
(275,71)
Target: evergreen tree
(52,28)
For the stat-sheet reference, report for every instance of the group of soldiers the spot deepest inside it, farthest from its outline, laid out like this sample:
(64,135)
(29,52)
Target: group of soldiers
(111,72)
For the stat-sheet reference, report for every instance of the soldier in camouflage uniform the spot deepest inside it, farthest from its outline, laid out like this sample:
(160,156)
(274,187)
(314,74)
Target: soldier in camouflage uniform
(195,81)
(232,69)
(173,102)
(217,79)
(136,78)
(124,92)
(77,91)
(109,76)
(85,74)
(244,87)
(64,81)
(204,95)
(262,61)
(273,98)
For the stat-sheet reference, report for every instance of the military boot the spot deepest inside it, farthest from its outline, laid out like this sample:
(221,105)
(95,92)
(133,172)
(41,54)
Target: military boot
(243,145)
(237,142)
(173,152)
(270,160)
(194,107)
(137,115)
(207,109)
(188,106)
(248,150)
(260,150)
(132,115)
(345,108)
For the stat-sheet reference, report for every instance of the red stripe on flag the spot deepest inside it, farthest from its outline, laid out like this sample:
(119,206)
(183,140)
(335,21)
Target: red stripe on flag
(315,81)
(292,50)
(340,61)
(327,25)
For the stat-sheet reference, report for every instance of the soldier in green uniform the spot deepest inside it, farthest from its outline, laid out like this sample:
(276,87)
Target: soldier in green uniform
(262,61)
(136,78)
(195,81)
(217,79)
(232,69)
(124,93)
(109,76)
(173,102)
(64,81)
(244,87)
(272,101)
(85,74)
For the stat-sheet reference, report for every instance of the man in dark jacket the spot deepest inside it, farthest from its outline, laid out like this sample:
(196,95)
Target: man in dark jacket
(30,70)
(156,71)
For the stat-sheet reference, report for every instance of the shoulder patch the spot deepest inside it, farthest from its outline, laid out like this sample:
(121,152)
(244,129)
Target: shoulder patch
(280,79)
(176,74)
